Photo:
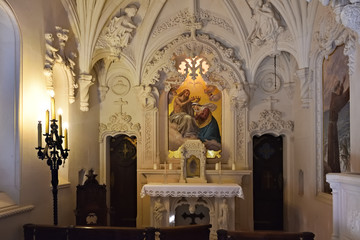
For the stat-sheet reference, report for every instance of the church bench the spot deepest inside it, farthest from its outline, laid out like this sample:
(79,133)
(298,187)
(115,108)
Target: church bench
(46,232)
(263,235)
(190,232)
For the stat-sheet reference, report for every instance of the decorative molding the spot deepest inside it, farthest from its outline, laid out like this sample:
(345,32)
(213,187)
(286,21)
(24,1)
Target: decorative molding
(118,33)
(14,210)
(271,120)
(85,82)
(54,56)
(119,122)
(240,137)
(203,16)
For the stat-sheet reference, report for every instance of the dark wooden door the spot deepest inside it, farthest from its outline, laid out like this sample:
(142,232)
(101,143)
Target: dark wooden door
(123,181)
(268,182)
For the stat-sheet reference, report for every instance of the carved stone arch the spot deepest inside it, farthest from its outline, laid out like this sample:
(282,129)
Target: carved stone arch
(328,38)
(225,69)
(265,75)
(266,51)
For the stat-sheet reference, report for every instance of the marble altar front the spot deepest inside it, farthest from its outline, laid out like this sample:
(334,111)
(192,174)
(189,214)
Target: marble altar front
(183,204)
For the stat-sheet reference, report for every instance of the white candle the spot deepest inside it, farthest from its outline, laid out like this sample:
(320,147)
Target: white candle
(155,166)
(47,121)
(52,108)
(216,166)
(170,166)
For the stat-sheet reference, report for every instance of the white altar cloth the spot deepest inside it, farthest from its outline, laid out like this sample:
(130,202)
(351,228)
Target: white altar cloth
(192,190)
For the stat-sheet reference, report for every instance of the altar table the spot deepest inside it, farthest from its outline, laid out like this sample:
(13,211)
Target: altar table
(204,203)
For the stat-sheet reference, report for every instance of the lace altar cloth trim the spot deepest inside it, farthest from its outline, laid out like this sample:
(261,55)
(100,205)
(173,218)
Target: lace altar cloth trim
(192,190)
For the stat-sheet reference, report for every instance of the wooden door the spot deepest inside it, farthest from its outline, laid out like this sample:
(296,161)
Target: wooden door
(123,196)
(268,182)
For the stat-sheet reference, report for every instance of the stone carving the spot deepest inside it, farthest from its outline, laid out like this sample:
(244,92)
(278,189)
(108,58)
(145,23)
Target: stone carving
(270,120)
(119,122)
(57,56)
(118,34)
(223,217)
(148,96)
(266,26)
(350,17)
(183,16)
(119,85)
(225,68)
(158,210)
(240,124)
(238,97)
(85,82)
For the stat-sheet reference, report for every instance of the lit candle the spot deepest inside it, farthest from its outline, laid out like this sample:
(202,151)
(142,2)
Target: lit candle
(60,121)
(47,121)
(39,134)
(66,138)
(170,166)
(233,167)
(52,108)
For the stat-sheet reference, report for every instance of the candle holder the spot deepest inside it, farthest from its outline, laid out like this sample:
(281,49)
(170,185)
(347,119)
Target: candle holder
(55,155)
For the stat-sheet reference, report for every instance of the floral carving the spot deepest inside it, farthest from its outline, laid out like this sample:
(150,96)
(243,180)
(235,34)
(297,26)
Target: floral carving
(119,122)
(270,120)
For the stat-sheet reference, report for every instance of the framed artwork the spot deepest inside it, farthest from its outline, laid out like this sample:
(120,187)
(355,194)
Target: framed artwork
(336,115)
(195,110)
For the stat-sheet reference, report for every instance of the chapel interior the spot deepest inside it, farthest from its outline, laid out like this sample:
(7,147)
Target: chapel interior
(241,114)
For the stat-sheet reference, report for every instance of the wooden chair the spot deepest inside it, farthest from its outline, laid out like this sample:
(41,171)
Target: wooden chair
(263,235)
(190,232)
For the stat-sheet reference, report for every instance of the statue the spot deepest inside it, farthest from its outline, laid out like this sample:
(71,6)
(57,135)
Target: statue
(266,25)
(223,215)
(159,210)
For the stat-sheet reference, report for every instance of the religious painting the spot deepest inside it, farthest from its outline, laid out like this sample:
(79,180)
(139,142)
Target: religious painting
(336,115)
(195,113)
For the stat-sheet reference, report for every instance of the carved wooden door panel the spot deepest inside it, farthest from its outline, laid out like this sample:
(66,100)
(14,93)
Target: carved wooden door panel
(123,198)
(268,182)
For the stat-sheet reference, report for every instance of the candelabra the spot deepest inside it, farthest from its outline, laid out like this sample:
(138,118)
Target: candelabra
(53,151)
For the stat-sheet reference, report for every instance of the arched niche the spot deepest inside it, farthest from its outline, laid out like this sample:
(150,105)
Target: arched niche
(9,103)
(224,70)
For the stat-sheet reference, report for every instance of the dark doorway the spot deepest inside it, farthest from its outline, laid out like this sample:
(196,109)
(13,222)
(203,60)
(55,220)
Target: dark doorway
(268,182)
(123,209)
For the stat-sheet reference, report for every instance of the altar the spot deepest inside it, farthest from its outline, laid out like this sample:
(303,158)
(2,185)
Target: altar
(176,204)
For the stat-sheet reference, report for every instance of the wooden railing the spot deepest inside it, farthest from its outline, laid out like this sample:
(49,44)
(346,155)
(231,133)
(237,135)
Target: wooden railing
(263,235)
(47,232)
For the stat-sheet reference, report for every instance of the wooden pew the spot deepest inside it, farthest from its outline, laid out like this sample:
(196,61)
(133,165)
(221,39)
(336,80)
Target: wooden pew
(46,232)
(190,232)
(263,235)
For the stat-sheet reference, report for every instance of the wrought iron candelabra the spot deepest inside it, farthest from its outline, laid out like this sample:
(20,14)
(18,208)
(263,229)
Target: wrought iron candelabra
(53,152)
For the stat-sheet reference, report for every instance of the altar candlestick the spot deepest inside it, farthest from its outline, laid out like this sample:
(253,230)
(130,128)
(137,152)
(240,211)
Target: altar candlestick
(52,108)
(47,121)
(39,134)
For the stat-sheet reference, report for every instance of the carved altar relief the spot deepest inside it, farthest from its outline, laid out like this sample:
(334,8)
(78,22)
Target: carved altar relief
(193,161)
